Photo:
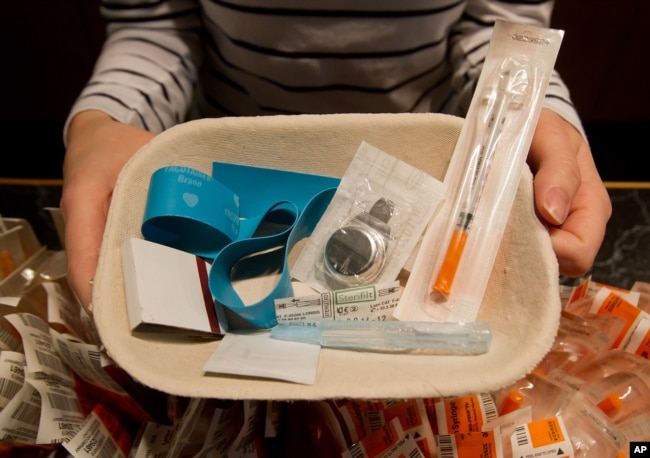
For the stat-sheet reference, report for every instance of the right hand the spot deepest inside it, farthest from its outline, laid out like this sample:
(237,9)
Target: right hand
(98,148)
(569,193)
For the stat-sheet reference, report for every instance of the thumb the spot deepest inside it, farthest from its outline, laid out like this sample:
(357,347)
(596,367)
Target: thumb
(553,159)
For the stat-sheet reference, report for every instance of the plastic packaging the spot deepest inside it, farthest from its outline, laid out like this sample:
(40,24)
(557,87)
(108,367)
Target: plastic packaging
(609,325)
(393,336)
(643,288)
(579,429)
(611,362)
(372,224)
(591,432)
(637,428)
(610,303)
(454,263)
(465,414)
(543,396)
(621,396)
(581,342)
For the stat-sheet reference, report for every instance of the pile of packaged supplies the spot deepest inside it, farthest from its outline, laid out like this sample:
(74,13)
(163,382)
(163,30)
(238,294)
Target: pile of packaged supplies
(61,395)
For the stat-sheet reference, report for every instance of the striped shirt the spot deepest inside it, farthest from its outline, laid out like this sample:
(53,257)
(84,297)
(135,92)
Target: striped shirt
(167,61)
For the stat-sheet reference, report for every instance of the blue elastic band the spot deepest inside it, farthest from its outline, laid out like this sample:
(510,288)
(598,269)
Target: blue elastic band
(226,218)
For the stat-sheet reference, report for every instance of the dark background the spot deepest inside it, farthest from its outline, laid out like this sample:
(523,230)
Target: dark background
(49,49)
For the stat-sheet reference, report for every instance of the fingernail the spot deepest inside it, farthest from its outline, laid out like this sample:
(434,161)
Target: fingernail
(557,204)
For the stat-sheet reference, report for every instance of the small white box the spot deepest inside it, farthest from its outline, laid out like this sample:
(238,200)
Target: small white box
(167,291)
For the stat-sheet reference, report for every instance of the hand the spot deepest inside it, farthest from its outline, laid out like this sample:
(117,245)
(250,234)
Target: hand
(98,148)
(569,193)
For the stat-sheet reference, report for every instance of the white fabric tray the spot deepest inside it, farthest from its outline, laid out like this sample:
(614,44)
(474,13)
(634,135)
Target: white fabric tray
(522,302)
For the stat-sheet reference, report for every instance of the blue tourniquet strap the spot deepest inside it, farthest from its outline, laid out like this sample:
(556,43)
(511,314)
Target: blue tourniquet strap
(191,211)
(222,218)
(262,313)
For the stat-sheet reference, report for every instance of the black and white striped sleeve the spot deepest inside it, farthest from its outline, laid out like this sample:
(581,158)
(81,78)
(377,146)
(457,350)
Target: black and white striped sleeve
(147,70)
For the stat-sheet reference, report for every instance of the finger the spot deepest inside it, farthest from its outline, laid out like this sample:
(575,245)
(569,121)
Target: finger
(577,241)
(557,172)
(85,221)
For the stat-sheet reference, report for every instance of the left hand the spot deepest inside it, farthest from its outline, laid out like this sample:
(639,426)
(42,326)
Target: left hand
(569,193)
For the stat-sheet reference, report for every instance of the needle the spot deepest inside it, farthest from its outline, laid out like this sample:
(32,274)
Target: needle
(474,181)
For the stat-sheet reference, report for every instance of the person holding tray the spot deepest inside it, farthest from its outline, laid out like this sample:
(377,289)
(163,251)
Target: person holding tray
(170,61)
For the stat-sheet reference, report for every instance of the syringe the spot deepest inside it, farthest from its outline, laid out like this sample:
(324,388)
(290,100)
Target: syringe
(476,176)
